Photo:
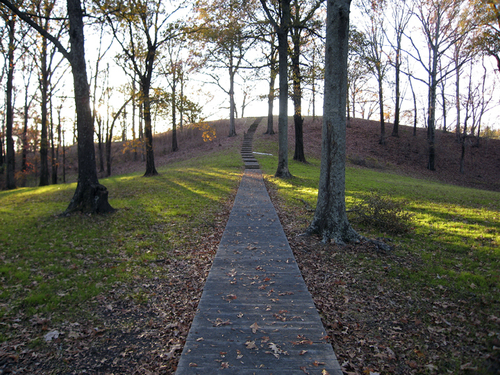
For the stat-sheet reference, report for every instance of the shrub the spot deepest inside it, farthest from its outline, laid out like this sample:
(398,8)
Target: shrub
(383,213)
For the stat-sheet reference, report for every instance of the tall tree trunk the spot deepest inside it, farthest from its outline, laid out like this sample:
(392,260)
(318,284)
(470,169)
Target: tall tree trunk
(271,95)
(232,106)
(381,109)
(282,32)
(134,136)
(52,145)
(181,104)
(330,218)
(44,88)
(25,130)
(395,128)
(431,124)
(174,120)
(109,137)
(297,99)
(98,120)
(457,98)
(148,130)
(10,182)
(90,196)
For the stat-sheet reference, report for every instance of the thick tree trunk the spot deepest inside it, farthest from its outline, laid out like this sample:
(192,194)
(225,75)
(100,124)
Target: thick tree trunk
(297,100)
(282,32)
(90,196)
(330,218)
(10,182)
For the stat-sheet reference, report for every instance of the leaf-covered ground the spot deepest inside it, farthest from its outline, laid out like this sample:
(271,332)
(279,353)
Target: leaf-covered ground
(379,323)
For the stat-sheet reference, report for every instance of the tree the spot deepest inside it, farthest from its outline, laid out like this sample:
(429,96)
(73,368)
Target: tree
(10,21)
(226,37)
(357,71)
(141,28)
(302,19)
(442,26)
(487,35)
(401,15)
(269,49)
(330,218)
(89,196)
(373,53)
(175,70)
(281,25)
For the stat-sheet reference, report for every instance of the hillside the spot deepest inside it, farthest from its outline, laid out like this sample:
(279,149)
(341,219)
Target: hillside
(405,155)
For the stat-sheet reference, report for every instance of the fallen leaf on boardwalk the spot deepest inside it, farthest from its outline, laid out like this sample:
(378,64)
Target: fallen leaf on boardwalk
(324,372)
(317,363)
(276,351)
(254,327)
(264,339)
(251,345)
(239,355)
(224,365)
(219,322)
(240,315)
(304,368)
(192,364)
(302,352)
(229,297)
(200,339)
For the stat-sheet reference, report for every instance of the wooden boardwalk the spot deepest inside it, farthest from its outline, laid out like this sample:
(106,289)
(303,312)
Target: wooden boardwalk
(256,315)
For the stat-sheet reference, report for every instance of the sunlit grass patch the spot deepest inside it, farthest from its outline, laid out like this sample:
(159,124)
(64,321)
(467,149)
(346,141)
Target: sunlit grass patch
(456,231)
(51,265)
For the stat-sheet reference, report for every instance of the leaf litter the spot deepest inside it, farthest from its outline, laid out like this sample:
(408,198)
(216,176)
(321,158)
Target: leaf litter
(376,323)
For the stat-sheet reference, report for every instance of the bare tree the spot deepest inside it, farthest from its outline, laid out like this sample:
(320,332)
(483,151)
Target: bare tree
(141,28)
(401,15)
(373,52)
(440,23)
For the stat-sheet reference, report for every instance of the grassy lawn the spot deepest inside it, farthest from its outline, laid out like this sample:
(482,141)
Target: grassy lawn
(53,267)
(439,286)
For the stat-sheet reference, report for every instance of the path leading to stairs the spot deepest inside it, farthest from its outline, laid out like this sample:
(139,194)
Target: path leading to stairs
(256,315)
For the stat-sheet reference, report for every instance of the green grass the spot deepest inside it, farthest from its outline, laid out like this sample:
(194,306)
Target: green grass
(52,265)
(456,234)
